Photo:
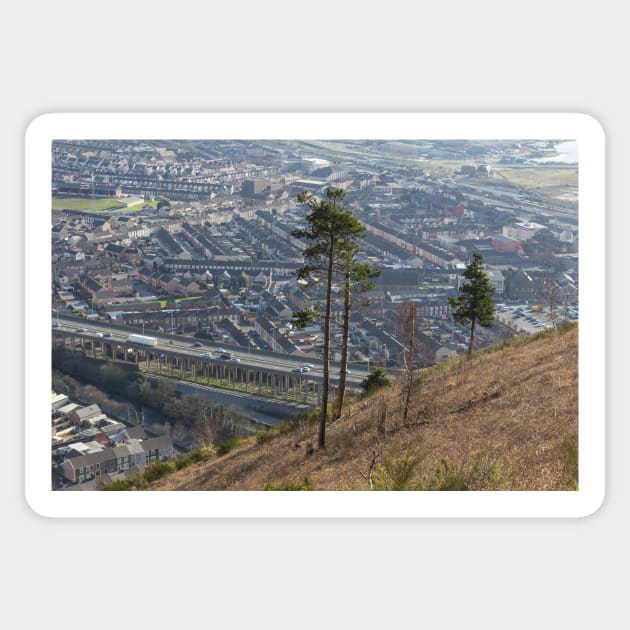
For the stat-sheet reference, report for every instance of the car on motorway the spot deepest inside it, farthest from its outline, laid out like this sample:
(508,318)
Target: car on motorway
(221,350)
(235,360)
(299,369)
(226,355)
(81,330)
(310,366)
(107,334)
(56,324)
(197,344)
(207,354)
(100,335)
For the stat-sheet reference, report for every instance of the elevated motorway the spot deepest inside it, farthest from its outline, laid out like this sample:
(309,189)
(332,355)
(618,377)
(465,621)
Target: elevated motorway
(249,370)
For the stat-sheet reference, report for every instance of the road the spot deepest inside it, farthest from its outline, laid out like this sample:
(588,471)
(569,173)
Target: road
(248,358)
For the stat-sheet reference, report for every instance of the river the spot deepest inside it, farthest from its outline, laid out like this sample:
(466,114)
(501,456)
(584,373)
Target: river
(567,153)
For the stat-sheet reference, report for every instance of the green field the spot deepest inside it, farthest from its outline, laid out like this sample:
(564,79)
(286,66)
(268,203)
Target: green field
(535,177)
(87,204)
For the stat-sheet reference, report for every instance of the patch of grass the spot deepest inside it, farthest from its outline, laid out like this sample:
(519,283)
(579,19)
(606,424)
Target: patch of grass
(570,461)
(228,445)
(306,484)
(86,204)
(534,178)
(194,457)
(157,470)
(136,207)
(402,470)
(264,436)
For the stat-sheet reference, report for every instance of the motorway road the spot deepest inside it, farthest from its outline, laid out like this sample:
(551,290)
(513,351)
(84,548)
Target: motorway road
(172,343)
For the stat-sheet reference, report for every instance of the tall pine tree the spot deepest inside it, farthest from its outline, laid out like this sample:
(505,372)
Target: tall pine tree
(474,302)
(330,230)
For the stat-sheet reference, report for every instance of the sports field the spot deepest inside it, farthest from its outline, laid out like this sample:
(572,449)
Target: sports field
(87,204)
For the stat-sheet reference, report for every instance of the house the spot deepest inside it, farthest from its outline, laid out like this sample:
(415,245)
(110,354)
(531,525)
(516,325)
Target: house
(134,455)
(520,286)
(77,416)
(275,307)
(58,400)
(496,279)
(190,287)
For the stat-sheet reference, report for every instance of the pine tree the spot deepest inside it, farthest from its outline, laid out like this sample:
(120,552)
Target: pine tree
(474,302)
(331,230)
(357,278)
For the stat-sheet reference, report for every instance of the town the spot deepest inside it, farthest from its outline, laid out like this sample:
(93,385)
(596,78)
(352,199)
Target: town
(190,244)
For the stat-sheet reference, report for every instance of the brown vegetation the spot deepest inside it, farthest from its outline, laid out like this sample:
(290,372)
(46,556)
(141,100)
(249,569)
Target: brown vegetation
(505,419)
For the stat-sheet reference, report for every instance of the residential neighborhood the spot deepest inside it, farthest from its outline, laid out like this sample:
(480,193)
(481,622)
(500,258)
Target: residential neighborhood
(196,239)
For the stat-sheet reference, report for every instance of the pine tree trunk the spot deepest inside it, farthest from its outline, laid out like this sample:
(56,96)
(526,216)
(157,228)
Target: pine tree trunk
(472,336)
(324,414)
(410,362)
(344,346)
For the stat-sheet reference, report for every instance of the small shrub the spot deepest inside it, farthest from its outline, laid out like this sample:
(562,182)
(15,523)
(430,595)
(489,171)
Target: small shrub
(402,471)
(399,472)
(121,484)
(483,473)
(263,436)
(228,445)
(183,461)
(306,484)
(376,379)
(157,470)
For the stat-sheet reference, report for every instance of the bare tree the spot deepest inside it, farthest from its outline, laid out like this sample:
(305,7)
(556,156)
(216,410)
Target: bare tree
(550,294)
(407,322)
(206,425)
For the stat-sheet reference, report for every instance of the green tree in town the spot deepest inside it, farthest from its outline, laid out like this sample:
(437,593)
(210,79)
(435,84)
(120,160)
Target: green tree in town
(474,302)
(330,230)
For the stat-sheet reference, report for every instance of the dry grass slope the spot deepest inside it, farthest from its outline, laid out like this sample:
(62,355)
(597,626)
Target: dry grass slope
(506,419)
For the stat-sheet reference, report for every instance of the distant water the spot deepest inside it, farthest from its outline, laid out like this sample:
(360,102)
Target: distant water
(568,153)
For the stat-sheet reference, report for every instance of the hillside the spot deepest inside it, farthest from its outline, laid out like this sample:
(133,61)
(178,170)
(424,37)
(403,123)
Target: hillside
(506,419)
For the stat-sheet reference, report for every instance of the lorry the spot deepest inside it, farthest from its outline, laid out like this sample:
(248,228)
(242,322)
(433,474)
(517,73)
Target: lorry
(142,340)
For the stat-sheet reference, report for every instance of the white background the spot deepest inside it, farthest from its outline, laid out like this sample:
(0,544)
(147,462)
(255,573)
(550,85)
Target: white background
(276,56)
